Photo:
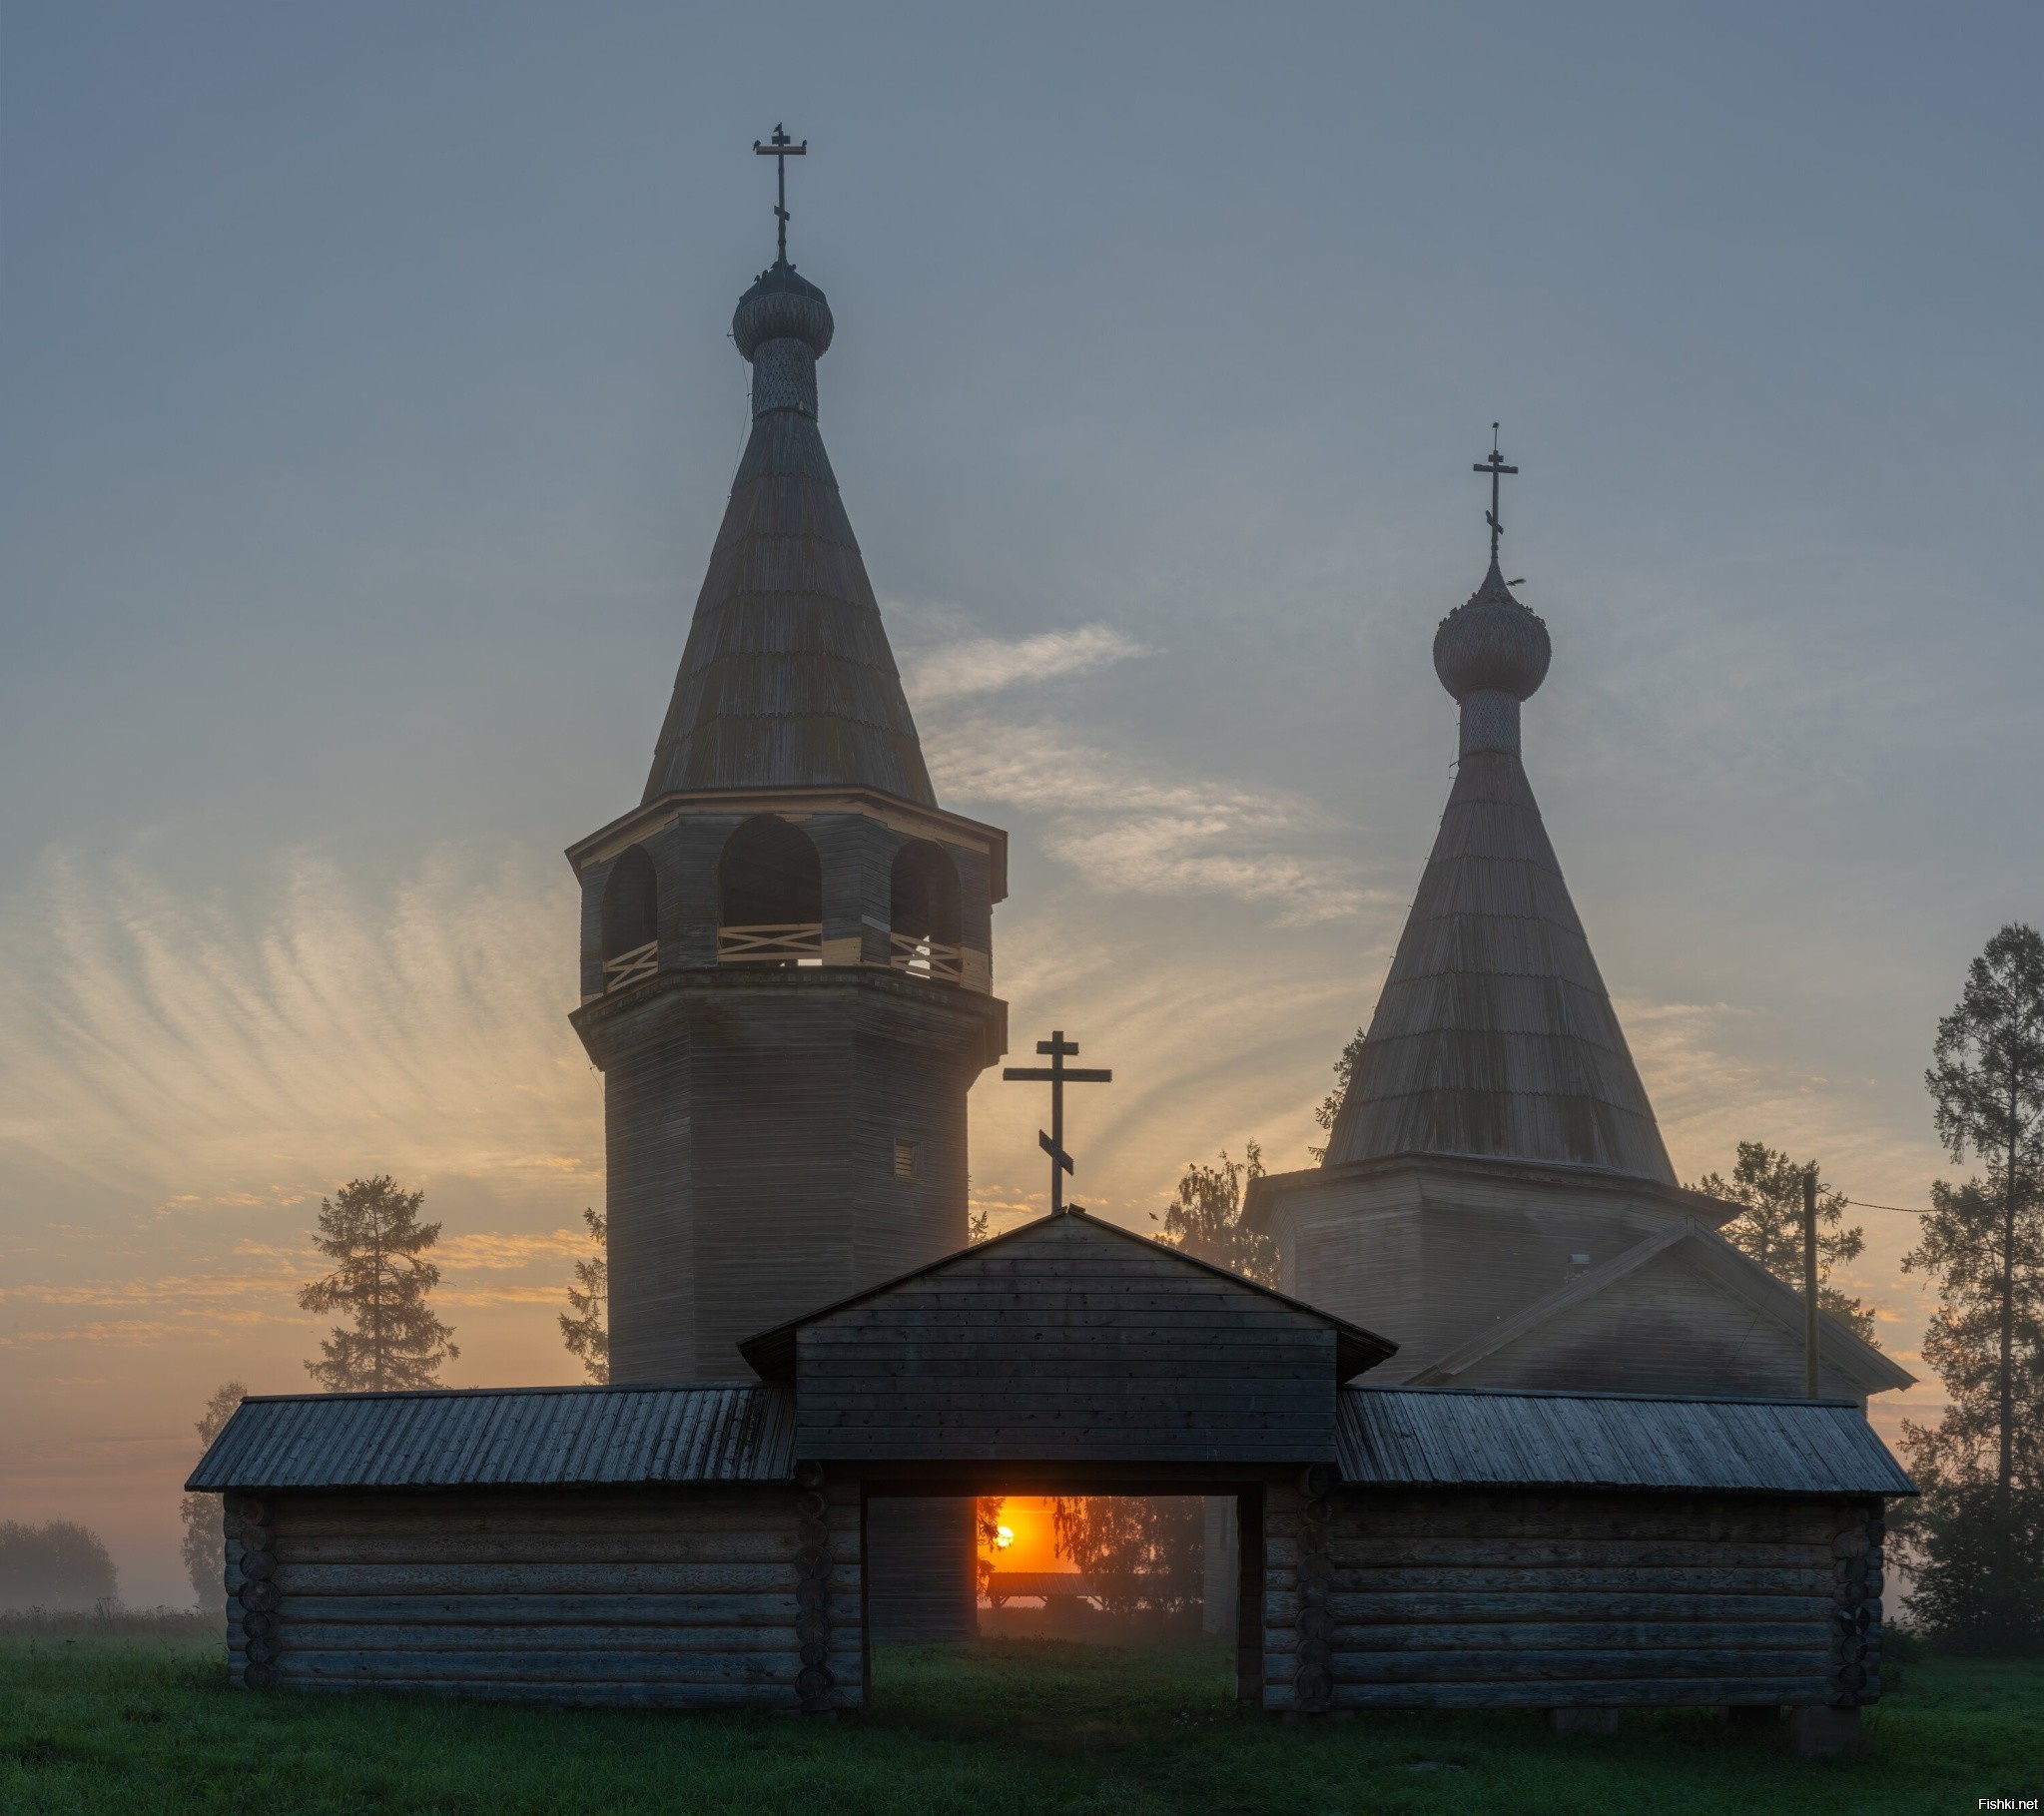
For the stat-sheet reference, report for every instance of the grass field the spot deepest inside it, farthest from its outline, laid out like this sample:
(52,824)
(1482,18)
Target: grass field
(1010,1727)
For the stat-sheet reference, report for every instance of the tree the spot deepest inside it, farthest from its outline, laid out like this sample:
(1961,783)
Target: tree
(1980,1528)
(203,1542)
(1768,1187)
(372,1230)
(59,1565)
(587,1331)
(1138,1553)
(1205,1220)
(1344,1076)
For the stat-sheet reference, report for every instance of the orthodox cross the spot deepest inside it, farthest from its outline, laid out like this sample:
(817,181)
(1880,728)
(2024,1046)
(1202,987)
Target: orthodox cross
(780,148)
(1495,467)
(1057,1075)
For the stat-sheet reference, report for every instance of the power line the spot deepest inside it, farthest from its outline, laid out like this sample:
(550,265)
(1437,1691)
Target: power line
(1861,1204)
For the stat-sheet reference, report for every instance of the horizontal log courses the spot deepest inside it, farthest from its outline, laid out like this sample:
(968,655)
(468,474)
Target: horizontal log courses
(713,1597)
(1413,1599)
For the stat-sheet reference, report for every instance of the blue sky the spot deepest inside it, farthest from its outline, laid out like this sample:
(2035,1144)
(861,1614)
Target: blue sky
(370,412)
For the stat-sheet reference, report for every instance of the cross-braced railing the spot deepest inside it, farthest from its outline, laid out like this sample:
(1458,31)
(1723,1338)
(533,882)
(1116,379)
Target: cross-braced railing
(772,942)
(926,958)
(631,967)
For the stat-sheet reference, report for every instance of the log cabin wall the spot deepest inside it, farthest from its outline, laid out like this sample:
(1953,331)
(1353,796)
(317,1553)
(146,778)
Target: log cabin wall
(1394,1598)
(711,1596)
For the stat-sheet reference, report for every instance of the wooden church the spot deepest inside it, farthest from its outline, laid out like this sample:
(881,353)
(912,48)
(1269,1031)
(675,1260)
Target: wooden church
(1517,1431)
(1495,1193)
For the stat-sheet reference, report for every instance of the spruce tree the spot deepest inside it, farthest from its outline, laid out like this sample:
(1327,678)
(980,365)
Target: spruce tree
(1980,1529)
(585,1327)
(1768,1187)
(372,1230)
(203,1542)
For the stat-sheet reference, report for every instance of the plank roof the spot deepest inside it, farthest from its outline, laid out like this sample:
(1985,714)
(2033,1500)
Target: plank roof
(787,679)
(1494,1036)
(1521,1438)
(513,1437)
(1842,1348)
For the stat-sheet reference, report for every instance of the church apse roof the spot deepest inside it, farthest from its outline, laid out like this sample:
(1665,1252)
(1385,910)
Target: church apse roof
(787,679)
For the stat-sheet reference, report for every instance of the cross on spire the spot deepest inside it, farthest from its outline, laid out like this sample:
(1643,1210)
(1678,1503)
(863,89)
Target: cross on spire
(1495,467)
(780,148)
(1057,1075)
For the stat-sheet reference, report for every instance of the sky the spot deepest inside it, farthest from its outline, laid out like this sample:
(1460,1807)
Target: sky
(369,410)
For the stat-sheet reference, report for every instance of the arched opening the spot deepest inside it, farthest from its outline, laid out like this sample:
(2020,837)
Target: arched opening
(923,912)
(632,922)
(770,890)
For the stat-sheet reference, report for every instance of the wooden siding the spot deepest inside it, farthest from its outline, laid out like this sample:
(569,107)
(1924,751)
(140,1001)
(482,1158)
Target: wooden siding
(1400,1600)
(700,1597)
(1067,1341)
(751,1119)
(921,1582)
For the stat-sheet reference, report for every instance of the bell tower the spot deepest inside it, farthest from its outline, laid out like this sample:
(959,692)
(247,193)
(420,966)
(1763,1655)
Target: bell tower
(786,948)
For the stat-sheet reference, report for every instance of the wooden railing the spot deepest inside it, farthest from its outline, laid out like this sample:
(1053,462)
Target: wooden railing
(777,942)
(926,958)
(631,967)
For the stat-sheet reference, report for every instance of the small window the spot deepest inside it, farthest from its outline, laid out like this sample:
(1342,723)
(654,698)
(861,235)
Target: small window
(908,1160)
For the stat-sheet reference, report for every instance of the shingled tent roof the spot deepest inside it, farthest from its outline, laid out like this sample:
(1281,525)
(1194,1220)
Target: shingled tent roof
(787,679)
(1494,1036)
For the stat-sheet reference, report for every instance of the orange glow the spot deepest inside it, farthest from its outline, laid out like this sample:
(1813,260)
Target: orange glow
(1029,1544)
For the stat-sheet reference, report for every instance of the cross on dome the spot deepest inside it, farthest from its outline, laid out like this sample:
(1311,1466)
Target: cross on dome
(780,148)
(1495,467)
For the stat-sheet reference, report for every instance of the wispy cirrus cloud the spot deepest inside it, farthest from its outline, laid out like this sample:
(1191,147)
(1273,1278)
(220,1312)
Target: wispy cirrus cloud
(155,1042)
(1128,833)
(984,665)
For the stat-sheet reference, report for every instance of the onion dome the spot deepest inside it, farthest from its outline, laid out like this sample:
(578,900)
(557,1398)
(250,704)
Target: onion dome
(782,306)
(1492,644)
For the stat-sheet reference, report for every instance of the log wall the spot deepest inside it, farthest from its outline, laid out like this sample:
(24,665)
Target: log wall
(1409,1600)
(717,1596)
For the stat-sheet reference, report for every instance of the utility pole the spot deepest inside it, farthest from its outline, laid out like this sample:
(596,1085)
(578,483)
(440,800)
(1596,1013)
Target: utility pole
(1810,1283)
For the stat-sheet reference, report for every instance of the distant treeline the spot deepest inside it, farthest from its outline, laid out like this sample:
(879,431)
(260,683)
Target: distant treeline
(59,1565)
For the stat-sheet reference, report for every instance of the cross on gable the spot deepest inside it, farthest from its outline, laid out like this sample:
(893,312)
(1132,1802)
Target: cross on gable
(780,148)
(1057,1075)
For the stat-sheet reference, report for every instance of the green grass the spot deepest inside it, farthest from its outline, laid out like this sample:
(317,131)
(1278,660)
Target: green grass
(1003,1728)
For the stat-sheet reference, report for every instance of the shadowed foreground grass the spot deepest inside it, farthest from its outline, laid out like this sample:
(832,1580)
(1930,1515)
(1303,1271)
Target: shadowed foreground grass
(1003,1728)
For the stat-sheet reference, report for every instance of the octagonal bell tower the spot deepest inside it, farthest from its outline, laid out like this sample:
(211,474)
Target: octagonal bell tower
(786,955)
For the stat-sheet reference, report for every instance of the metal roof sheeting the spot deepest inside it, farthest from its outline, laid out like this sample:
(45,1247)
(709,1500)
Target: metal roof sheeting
(517,1437)
(1477,1436)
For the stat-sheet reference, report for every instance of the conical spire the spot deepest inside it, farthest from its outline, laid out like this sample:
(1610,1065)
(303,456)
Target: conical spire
(1494,1036)
(787,679)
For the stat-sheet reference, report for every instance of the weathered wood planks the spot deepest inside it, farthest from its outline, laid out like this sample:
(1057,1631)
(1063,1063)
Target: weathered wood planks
(1067,1341)
(713,1597)
(1431,1599)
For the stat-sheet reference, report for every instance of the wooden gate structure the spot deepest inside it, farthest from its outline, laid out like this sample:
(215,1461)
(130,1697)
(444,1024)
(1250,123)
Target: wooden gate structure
(703,1546)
